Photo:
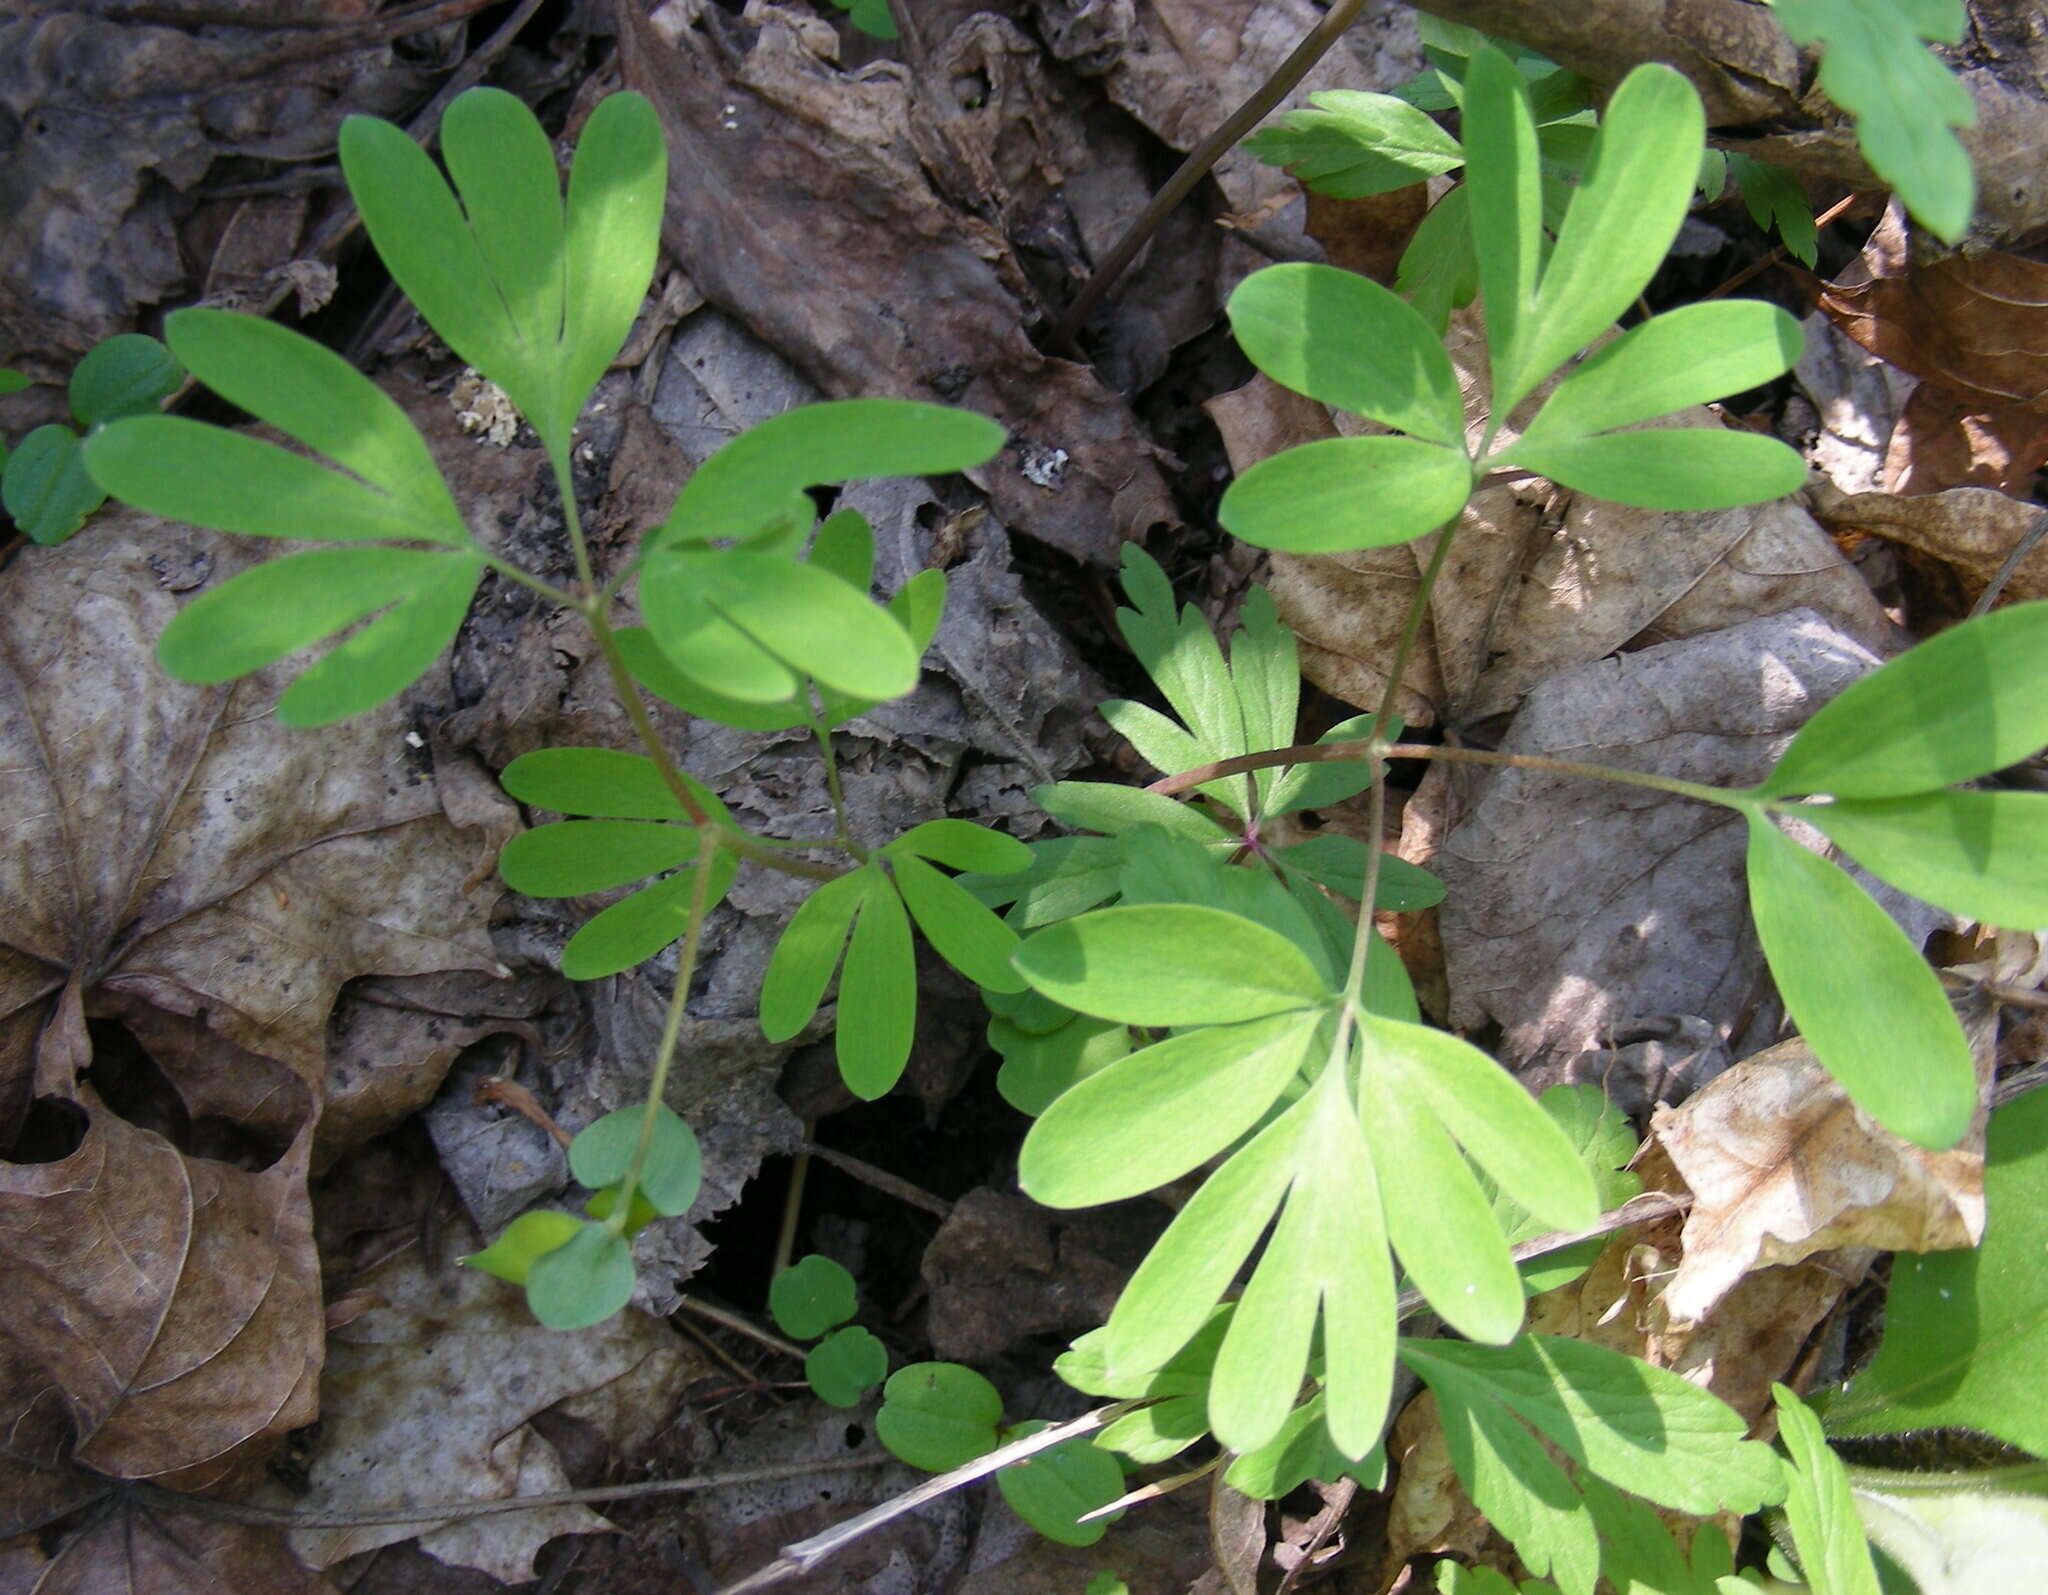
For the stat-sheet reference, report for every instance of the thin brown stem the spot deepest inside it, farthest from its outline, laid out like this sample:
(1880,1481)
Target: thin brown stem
(1313,47)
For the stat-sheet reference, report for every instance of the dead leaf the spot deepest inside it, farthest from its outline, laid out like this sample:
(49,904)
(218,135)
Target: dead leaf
(1856,398)
(138,1547)
(1577,906)
(1781,1165)
(801,200)
(1972,327)
(1974,529)
(427,1398)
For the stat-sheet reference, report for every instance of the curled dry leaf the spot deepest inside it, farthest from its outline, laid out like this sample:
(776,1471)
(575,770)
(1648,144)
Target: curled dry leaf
(189,886)
(1539,580)
(428,1398)
(1781,1165)
(1975,529)
(1971,327)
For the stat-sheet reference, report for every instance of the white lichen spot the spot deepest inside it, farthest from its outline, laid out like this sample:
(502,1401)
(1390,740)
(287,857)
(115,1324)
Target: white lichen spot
(1044,467)
(414,740)
(484,409)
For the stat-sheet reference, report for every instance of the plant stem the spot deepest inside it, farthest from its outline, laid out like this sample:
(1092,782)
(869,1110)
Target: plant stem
(511,572)
(1351,752)
(842,832)
(572,516)
(672,1026)
(792,1203)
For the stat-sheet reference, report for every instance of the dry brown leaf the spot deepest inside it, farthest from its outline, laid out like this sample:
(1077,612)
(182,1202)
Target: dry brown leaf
(189,887)
(1975,529)
(1972,327)
(1781,1165)
(1579,907)
(138,1548)
(427,1398)
(801,199)
(1430,1510)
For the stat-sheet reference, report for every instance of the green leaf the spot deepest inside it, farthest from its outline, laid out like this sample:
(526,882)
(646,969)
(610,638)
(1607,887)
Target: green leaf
(736,621)
(1499,1124)
(1170,964)
(1069,875)
(1683,357)
(965,934)
(1905,101)
(1301,1451)
(1344,340)
(1826,1535)
(938,1416)
(602,1154)
(605,1202)
(128,374)
(1669,468)
(1621,1419)
(746,485)
(12,381)
(1038,1068)
(1959,1533)
(1773,199)
(963,845)
(807,954)
(1622,219)
(1112,809)
(649,666)
(618,187)
(1983,855)
(575,857)
(1317,786)
(287,604)
(189,471)
(633,930)
(1863,997)
(1352,145)
(877,992)
(1149,1118)
(845,1366)
(810,1296)
(1965,1331)
(1347,493)
(1606,1144)
(527,1239)
(310,393)
(1958,706)
(1505,206)
(1055,1489)
(601,782)
(46,486)
(583,1282)
(1339,862)
(1439,270)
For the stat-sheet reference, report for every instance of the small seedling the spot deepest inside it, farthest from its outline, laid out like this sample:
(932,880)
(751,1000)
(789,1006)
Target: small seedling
(45,485)
(809,1298)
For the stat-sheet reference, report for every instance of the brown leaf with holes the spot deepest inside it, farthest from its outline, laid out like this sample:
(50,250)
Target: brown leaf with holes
(1781,1165)
(1974,329)
(189,885)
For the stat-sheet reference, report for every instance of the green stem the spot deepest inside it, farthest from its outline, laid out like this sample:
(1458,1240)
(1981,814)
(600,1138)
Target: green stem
(511,572)
(2030,1477)
(671,1028)
(842,832)
(572,516)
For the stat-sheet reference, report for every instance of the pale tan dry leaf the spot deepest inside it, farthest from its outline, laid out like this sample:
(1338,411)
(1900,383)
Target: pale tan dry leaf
(427,1397)
(1974,529)
(1782,1165)
(1430,1511)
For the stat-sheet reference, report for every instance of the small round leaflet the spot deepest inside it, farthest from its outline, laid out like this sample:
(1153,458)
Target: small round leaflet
(602,1153)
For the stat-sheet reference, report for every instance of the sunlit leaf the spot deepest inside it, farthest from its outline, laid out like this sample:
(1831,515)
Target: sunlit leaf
(652,668)
(1352,145)
(1826,1536)
(1671,468)
(1112,809)
(1038,1068)
(1505,207)
(1055,1489)
(965,934)
(877,992)
(963,845)
(1863,997)
(1347,493)
(1983,855)
(1170,964)
(527,1239)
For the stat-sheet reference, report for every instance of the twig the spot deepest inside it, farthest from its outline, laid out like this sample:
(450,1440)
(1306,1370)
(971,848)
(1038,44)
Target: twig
(1334,1508)
(881,1179)
(1756,267)
(1313,47)
(725,1318)
(2029,541)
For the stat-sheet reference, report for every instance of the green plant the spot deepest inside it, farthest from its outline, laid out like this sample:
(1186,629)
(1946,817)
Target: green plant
(810,1297)
(1179,989)
(872,17)
(44,485)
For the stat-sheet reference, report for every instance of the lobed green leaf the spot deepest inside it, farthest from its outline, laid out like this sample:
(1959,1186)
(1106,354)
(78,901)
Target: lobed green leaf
(1505,208)
(1820,1507)
(964,933)
(807,954)
(47,487)
(963,845)
(527,1239)
(618,185)
(844,1366)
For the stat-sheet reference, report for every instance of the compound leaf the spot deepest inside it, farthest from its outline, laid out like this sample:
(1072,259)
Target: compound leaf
(938,1415)
(1958,706)
(1773,199)
(1343,340)
(649,666)
(392,652)
(963,845)
(618,185)
(1352,145)
(807,954)
(1863,997)
(1505,209)
(1112,809)
(1170,964)
(1347,493)
(582,1282)
(811,1296)
(574,857)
